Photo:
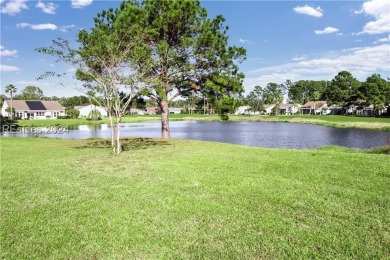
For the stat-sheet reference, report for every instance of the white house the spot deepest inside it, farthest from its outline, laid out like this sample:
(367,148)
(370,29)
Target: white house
(33,109)
(288,109)
(86,110)
(136,111)
(317,107)
(242,110)
(268,109)
(174,110)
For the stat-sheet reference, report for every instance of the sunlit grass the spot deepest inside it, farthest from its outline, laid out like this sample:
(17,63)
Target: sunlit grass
(71,199)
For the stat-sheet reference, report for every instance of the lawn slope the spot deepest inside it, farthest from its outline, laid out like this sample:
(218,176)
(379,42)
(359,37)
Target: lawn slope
(72,199)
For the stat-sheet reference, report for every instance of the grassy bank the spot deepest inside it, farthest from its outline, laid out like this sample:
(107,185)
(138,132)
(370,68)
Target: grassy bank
(72,199)
(326,120)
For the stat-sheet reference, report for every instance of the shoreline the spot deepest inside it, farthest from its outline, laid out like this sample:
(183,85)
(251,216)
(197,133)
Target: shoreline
(382,124)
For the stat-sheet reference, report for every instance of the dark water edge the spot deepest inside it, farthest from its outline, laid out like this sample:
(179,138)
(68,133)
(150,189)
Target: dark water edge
(259,134)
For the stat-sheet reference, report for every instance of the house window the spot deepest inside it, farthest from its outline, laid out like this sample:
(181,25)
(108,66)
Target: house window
(55,114)
(40,113)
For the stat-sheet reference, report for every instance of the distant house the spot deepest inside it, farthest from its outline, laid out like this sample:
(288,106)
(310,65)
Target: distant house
(175,110)
(314,107)
(33,109)
(268,109)
(335,110)
(86,110)
(242,110)
(136,111)
(288,109)
(152,110)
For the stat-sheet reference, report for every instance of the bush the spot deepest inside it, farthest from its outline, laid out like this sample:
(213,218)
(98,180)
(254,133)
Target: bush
(73,113)
(63,117)
(224,117)
(95,115)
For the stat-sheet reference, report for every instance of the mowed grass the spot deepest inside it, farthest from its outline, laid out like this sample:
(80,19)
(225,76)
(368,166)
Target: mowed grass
(72,199)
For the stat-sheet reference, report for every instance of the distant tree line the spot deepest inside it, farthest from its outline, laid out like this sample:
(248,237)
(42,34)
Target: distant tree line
(344,91)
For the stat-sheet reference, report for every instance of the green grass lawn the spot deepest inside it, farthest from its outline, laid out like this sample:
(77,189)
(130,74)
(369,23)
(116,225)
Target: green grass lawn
(72,199)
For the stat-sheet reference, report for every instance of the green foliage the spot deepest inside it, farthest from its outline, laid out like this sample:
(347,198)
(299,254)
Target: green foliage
(226,105)
(71,102)
(255,99)
(273,94)
(8,109)
(73,113)
(11,89)
(304,91)
(341,89)
(95,115)
(187,51)
(375,91)
(31,93)
(64,117)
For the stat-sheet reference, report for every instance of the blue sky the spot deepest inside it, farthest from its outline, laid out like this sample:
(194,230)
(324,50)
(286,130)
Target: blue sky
(284,39)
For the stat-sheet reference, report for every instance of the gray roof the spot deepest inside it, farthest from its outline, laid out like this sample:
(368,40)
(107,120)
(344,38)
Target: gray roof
(34,105)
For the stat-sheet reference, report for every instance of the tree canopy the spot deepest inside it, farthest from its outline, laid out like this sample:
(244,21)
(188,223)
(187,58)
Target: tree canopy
(187,51)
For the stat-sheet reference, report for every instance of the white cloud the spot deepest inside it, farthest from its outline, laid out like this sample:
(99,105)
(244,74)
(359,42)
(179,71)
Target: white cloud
(49,8)
(361,62)
(81,3)
(380,11)
(327,30)
(308,10)
(67,28)
(385,39)
(44,26)
(13,7)
(245,41)
(4,52)
(298,58)
(6,68)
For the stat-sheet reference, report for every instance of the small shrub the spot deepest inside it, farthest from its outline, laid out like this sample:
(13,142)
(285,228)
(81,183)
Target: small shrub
(224,117)
(73,113)
(63,117)
(95,115)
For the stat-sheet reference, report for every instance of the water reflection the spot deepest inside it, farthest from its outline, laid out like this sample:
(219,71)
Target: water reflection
(263,134)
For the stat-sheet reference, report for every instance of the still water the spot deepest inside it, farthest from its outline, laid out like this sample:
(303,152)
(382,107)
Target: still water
(262,134)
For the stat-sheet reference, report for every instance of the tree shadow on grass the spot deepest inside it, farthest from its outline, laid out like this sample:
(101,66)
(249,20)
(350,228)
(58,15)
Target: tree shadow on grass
(127,143)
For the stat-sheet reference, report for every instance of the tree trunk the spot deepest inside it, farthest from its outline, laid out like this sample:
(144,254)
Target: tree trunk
(118,134)
(11,106)
(164,119)
(112,131)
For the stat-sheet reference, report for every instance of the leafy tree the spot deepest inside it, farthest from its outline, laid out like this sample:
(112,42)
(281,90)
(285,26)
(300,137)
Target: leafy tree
(10,89)
(304,91)
(73,101)
(255,99)
(273,94)
(2,99)
(375,91)
(226,105)
(103,63)
(32,93)
(342,88)
(73,113)
(188,51)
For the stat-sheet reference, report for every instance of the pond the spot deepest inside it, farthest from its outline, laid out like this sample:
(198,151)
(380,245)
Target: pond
(261,134)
